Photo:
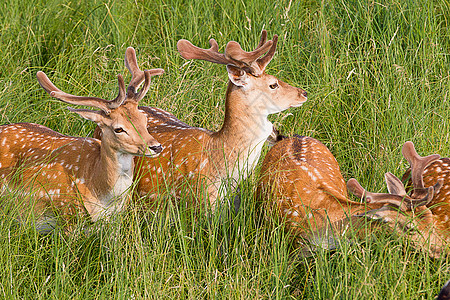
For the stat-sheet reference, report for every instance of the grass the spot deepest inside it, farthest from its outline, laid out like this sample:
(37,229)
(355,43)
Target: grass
(377,75)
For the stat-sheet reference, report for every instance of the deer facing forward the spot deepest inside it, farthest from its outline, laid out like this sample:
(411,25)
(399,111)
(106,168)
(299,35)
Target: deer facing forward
(67,175)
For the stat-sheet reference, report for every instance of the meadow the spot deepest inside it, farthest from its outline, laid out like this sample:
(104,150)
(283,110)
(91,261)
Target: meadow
(377,75)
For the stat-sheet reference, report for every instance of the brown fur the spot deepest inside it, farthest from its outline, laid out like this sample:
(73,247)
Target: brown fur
(198,156)
(304,180)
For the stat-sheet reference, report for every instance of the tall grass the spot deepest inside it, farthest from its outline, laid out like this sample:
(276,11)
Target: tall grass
(377,75)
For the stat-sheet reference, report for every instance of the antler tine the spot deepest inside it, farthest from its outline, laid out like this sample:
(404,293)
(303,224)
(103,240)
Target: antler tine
(417,163)
(121,96)
(234,54)
(263,39)
(265,60)
(137,76)
(100,103)
(356,189)
(234,51)
(429,192)
(145,88)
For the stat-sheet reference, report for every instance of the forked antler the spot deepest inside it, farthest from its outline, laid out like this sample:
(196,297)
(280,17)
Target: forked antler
(418,165)
(397,195)
(137,76)
(251,62)
(106,106)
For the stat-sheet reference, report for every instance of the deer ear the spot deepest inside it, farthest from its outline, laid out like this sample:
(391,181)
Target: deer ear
(91,115)
(394,185)
(237,76)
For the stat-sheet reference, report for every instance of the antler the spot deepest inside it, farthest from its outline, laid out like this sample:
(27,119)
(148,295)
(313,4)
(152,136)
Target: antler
(418,165)
(397,194)
(251,62)
(137,76)
(102,104)
(106,106)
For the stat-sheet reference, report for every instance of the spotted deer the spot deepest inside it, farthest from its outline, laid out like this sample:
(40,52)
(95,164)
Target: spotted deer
(204,158)
(67,175)
(421,211)
(304,180)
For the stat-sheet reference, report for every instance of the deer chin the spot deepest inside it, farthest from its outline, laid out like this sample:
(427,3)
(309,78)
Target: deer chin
(297,104)
(148,153)
(141,151)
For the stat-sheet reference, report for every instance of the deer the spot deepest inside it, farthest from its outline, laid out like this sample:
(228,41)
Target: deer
(420,211)
(66,175)
(301,182)
(216,161)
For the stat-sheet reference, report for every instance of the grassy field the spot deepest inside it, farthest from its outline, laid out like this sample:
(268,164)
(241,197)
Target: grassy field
(377,75)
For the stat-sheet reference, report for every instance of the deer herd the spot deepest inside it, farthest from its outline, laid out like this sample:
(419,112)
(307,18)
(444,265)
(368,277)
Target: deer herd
(145,154)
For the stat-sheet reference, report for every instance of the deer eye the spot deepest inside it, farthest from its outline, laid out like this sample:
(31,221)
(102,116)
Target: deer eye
(119,130)
(273,86)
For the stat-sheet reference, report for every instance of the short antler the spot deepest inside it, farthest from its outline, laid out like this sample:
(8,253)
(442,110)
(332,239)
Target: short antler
(102,104)
(397,195)
(417,163)
(251,62)
(138,76)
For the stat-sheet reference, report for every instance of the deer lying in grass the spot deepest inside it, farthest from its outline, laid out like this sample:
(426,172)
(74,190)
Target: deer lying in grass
(423,213)
(304,180)
(73,175)
(204,158)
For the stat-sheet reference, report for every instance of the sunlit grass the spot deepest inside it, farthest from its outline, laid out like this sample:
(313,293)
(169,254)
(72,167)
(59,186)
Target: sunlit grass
(377,75)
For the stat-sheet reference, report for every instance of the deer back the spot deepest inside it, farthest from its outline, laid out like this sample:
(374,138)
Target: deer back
(304,180)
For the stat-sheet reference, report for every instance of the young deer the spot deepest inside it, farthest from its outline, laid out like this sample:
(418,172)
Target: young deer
(73,175)
(200,156)
(304,180)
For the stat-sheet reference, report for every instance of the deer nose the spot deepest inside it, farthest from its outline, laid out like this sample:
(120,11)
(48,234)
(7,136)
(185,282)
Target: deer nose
(305,94)
(156,149)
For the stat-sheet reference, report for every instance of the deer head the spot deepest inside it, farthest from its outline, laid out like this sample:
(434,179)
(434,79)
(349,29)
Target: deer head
(403,212)
(246,72)
(123,126)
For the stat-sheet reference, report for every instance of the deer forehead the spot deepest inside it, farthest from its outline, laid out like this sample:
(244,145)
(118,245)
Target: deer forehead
(126,114)
(264,79)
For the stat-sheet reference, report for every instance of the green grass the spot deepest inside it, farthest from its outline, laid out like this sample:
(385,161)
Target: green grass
(377,75)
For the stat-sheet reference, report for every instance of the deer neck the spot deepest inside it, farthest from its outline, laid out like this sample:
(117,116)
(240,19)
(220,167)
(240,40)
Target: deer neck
(243,133)
(113,174)
(244,125)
